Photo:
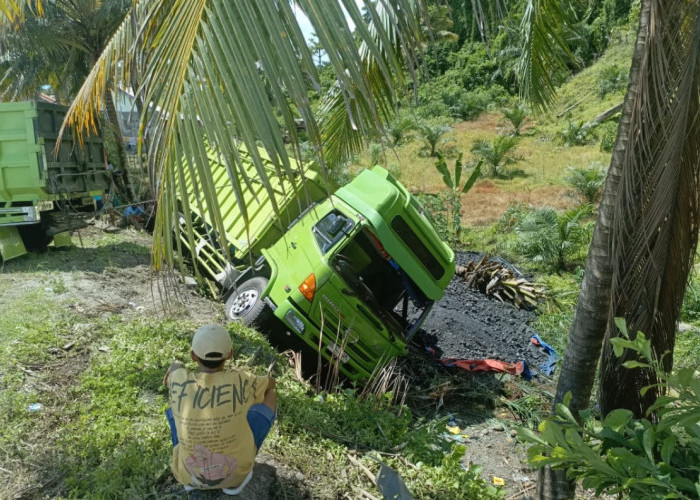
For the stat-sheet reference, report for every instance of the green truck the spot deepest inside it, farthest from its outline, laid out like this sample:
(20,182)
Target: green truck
(39,192)
(353,274)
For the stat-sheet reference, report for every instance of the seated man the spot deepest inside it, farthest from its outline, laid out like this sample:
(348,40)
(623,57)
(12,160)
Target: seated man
(218,420)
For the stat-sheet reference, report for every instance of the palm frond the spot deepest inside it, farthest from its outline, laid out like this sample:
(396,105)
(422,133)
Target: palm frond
(345,120)
(545,29)
(218,72)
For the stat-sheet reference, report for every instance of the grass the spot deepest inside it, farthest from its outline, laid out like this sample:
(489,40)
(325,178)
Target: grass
(100,432)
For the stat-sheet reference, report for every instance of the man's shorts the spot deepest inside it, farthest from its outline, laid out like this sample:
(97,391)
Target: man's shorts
(260,419)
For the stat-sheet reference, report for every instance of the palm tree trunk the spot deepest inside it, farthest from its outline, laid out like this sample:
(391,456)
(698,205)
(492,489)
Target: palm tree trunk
(591,316)
(121,151)
(656,218)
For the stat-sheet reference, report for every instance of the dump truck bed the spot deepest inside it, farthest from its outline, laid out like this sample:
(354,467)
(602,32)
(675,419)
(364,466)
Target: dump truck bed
(29,172)
(291,195)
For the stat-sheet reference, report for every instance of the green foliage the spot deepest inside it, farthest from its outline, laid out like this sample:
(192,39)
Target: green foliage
(454,192)
(397,132)
(587,181)
(433,133)
(470,105)
(551,238)
(376,154)
(516,116)
(691,301)
(611,79)
(512,215)
(496,154)
(655,458)
(608,134)
(435,208)
(578,134)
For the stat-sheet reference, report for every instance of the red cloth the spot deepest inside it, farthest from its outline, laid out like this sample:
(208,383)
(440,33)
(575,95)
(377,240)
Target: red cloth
(485,365)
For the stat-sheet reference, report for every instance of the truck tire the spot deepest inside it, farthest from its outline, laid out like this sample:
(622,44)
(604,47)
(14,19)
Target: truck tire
(246,305)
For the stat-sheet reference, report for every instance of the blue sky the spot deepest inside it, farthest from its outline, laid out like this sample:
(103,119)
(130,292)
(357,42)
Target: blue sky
(305,24)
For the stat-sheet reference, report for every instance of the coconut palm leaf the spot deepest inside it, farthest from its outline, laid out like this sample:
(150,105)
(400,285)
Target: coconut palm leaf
(346,121)
(218,72)
(546,28)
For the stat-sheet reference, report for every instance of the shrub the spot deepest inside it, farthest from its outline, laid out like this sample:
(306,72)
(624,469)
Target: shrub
(611,79)
(608,135)
(578,134)
(376,154)
(551,238)
(652,458)
(435,208)
(433,134)
(398,130)
(470,106)
(512,215)
(496,154)
(516,117)
(587,181)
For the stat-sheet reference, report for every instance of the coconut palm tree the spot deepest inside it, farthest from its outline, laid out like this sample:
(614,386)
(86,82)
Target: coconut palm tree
(646,232)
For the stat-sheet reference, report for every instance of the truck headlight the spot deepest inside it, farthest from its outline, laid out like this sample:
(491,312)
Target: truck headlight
(294,321)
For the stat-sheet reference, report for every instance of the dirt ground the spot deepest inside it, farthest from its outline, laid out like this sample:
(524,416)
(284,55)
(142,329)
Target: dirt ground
(116,279)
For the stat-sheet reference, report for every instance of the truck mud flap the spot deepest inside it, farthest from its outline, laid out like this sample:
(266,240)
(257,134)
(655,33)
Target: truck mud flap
(11,244)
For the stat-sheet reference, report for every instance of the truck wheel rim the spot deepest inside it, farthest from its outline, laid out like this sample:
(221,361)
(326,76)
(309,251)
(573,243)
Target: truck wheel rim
(244,302)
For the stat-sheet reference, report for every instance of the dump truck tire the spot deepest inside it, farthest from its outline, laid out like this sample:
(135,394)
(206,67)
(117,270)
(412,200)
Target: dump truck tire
(246,305)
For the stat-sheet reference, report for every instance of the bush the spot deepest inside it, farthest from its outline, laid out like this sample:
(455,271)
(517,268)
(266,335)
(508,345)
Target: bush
(608,135)
(611,79)
(376,154)
(578,134)
(470,106)
(587,181)
(496,154)
(512,215)
(654,458)
(551,238)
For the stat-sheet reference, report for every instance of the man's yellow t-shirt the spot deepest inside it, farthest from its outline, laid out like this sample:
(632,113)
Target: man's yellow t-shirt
(216,447)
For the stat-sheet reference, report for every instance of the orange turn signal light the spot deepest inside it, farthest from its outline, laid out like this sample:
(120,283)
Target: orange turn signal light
(308,287)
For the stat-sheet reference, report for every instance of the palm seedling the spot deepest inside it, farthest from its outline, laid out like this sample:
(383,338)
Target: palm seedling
(433,134)
(516,117)
(497,154)
(551,238)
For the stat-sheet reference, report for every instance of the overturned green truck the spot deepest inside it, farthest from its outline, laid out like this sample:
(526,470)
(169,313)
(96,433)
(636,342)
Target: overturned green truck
(352,274)
(38,190)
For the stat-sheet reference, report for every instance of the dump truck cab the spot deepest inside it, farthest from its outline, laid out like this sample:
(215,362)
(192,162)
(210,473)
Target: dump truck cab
(343,278)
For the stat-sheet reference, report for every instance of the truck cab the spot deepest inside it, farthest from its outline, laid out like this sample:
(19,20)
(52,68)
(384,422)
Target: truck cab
(353,275)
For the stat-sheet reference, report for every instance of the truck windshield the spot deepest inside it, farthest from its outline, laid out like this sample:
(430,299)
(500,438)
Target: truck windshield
(375,279)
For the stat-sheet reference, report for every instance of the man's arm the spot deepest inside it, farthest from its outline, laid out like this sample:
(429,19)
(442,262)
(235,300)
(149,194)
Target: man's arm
(173,366)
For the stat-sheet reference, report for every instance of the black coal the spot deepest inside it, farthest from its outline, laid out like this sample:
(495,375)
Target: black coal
(467,324)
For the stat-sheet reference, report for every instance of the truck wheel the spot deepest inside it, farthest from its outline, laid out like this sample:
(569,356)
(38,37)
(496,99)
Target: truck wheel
(246,305)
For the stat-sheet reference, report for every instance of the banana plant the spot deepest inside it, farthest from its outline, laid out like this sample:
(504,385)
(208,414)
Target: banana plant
(455,192)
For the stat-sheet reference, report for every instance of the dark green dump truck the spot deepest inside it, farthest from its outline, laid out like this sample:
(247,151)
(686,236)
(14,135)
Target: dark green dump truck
(341,272)
(37,189)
